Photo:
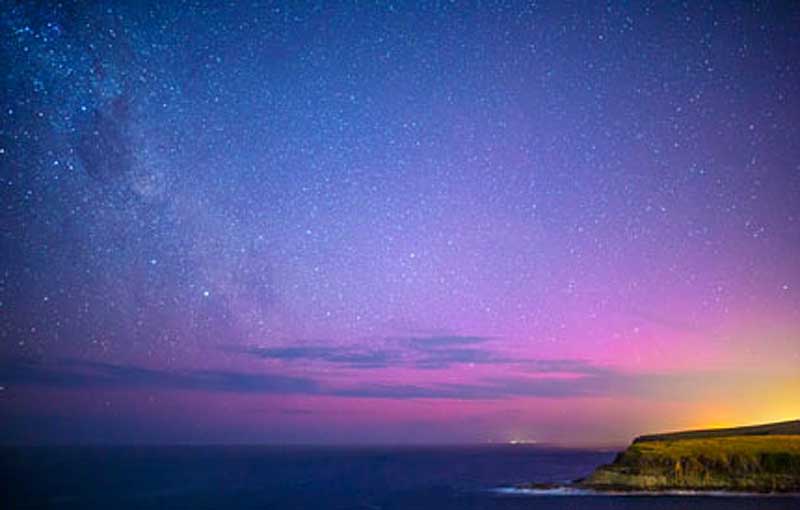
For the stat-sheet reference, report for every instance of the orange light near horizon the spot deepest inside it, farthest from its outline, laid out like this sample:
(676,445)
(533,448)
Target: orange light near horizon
(775,405)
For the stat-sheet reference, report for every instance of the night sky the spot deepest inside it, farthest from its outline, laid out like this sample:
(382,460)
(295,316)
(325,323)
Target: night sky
(371,222)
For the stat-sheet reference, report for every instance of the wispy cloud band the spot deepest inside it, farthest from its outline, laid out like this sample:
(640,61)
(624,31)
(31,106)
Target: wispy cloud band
(586,380)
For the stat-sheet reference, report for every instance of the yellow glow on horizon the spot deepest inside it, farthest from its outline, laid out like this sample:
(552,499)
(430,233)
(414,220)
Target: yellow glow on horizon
(770,405)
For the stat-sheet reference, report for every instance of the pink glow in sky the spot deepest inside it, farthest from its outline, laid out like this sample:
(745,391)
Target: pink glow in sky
(428,224)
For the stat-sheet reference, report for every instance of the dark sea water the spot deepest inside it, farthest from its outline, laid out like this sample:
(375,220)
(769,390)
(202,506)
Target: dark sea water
(238,477)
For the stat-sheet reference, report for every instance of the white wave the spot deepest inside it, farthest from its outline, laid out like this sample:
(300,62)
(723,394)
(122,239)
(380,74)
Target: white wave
(573,491)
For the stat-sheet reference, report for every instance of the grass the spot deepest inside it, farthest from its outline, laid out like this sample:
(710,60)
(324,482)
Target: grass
(753,463)
(720,448)
(784,428)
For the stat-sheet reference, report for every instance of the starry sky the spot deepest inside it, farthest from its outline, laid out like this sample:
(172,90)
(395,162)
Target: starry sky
(387,222)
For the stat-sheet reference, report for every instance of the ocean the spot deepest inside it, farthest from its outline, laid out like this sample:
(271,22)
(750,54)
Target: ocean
(268,477)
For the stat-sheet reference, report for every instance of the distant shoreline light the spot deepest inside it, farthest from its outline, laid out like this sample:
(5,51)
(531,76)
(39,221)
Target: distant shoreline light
(522,441)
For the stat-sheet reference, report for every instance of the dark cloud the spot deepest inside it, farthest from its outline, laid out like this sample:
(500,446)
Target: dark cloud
(298,412)
(351,357)
(401,391)
(562,366)
(77,374)
(436,341)
(487,389)
(443,358)
(424,352)
(583,380)
(491,389)
(104,147)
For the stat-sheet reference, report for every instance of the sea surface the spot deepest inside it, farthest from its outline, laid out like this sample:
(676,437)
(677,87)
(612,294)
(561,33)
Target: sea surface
(260,477)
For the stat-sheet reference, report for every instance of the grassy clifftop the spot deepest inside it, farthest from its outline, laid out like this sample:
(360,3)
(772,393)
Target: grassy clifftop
(784,428)
(705,460)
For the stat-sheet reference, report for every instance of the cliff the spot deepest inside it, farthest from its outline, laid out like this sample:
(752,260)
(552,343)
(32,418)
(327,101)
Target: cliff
(764,458)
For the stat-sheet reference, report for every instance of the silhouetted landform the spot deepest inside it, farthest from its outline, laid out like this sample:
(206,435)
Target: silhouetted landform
(784,428)
(763,458)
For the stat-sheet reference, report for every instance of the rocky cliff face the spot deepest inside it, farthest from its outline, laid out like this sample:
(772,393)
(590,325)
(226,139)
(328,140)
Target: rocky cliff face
(766,463)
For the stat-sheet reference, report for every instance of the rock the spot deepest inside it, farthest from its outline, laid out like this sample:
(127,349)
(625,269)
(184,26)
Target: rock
(754,459)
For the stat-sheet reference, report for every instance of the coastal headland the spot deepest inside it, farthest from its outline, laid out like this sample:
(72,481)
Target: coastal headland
(762,459)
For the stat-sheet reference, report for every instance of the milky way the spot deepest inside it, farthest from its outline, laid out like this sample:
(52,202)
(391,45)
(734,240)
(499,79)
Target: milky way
(452,222)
